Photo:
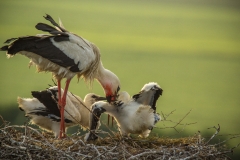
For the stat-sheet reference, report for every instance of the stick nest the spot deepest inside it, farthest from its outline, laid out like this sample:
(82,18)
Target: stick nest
(25,142)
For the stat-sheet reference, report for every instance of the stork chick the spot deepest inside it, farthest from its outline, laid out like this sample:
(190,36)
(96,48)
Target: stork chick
(43,109)
(136,115)
(65,54)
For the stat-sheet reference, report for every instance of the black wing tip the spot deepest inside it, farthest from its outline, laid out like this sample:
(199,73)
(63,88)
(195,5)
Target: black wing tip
(4,48)
(10,40)
(49,18)
(35,94)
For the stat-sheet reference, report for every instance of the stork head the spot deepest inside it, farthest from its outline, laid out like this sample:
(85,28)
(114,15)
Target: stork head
(110,84)
(111,91)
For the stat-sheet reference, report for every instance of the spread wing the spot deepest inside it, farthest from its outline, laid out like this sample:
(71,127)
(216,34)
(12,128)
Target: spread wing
(60,47)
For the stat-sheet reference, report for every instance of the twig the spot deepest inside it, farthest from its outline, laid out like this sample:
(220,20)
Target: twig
(37,146)
(165,116)
(141,154)
(176,123)
(106,152)
(217,131)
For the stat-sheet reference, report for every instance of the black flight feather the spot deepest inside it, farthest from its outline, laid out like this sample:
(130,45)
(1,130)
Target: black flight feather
(43,45)
(10,40)
(44,48)
(4,48)
(49,18)
(49,99)
(46,28)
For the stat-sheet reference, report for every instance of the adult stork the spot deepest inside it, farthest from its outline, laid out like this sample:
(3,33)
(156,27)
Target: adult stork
(43,109)
(136,115)
(65,54)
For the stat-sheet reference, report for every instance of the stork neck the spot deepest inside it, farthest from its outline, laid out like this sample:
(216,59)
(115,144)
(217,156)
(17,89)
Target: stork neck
(108,80)
(102,75)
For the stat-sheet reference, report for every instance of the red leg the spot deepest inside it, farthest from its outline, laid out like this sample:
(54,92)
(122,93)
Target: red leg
(60,106)
(63,103)
(59,93)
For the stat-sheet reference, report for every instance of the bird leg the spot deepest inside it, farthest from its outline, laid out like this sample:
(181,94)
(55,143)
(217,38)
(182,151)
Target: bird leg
(109,120)
(113,98)
(112,121)
(60,108)
(59,94)
(63,103)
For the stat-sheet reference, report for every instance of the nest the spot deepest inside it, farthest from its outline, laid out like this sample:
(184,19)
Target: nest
(26,142)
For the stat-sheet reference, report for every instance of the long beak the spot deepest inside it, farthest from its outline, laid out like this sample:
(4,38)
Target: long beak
(109,98)
(101,98)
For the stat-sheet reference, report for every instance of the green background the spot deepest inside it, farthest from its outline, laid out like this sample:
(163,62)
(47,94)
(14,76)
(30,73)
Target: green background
(191,48)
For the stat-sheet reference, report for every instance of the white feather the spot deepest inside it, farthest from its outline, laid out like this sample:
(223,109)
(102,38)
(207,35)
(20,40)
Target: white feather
(74,111)
(131,117)
(149,86)
(77,49)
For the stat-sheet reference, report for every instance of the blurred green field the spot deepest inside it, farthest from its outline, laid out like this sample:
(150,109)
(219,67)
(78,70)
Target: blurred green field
(192,49)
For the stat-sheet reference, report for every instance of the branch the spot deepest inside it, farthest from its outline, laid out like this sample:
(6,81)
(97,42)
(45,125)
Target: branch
(217,131)
(141,154)
(165,116)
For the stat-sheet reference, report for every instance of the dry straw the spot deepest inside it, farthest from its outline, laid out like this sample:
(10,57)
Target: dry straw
(25,142)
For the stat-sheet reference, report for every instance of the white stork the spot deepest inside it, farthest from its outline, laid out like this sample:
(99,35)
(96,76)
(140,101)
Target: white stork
(65,55)
(43,109)
(136,115)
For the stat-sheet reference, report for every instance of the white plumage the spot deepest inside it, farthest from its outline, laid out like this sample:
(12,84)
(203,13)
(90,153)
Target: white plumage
(65,55)
(136,115)
(43,109)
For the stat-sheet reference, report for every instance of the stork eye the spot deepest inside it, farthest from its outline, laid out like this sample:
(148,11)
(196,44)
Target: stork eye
(94,96)
(155,87)
(118,89)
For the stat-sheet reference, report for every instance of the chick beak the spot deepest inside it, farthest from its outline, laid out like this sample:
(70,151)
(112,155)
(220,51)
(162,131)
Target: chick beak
(101,99)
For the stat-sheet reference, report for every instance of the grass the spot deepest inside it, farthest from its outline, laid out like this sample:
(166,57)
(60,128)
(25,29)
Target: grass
(190,48)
